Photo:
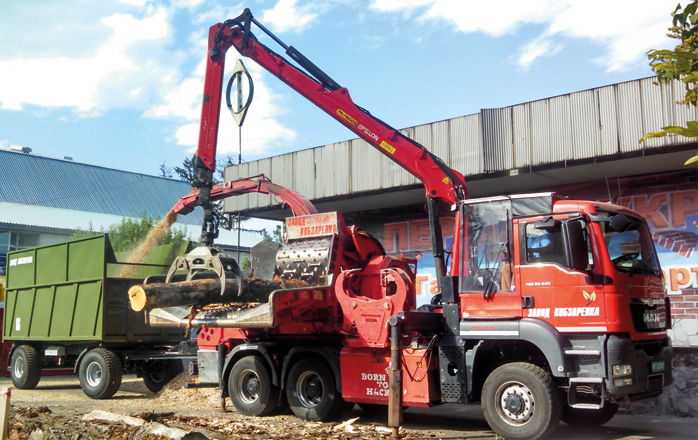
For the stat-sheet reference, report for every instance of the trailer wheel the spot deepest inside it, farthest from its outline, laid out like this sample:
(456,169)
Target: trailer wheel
(157,374)
(588,417)
(100,373)
(311,391)
(250,387)
(25,367)
(520,401)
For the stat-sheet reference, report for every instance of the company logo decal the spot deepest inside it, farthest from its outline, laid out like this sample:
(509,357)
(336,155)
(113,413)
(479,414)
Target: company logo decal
(590,297)
(346,116)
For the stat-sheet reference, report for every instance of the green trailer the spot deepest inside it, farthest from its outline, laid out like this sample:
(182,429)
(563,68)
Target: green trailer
(67,306)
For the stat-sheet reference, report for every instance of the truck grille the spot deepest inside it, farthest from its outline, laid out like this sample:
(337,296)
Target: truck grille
(648,314)
(655,383)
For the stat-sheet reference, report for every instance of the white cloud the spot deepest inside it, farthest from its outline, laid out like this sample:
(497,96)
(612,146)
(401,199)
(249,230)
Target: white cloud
(625,29)
(260,131)
(131,62)
(95,81)
(542,46)
(287,16)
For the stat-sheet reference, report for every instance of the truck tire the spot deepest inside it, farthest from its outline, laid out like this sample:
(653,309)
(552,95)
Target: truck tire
(520,401)
(311,391)
(157,374)
(250,387)
(25,367)
(100,373)
(589,417)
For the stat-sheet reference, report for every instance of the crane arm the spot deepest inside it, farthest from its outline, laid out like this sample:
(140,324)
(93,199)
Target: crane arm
(440,181)
(255,184)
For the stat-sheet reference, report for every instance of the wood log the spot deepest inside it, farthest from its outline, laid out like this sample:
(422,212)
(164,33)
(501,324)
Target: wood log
(203,292)
(182,293)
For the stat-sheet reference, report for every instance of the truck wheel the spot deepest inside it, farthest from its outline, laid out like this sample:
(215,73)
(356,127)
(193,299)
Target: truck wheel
(26,367)
(157,374)
(100,373)
(520,401)
(251,388)
(311,391)
(588,417)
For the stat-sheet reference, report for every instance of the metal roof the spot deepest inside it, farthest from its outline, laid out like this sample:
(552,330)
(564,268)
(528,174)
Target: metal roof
(28,179)
(598,126)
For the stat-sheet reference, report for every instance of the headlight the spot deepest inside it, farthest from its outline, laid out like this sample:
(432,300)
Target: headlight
(622,370)
(623,382)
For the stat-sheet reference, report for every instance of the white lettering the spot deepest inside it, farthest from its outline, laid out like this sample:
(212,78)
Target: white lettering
(19,261)
(539,313)
(576,311)
(368,132)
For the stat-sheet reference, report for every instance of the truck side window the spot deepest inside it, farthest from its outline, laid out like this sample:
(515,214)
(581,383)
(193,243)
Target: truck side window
(544,245)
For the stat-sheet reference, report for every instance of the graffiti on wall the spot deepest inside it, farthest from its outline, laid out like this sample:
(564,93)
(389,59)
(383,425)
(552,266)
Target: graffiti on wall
(414,237)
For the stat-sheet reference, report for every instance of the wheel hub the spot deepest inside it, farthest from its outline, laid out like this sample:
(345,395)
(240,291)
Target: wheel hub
(248,387)
(93,375)
(309,389)
(515,403)
(19,367)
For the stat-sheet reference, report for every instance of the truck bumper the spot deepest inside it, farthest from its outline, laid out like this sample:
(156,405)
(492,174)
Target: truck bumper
(640,371)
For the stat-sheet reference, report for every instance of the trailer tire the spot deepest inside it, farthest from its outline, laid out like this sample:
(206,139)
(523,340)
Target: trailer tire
(521,401)
(25,367)
(158,373)
(589,417)
(251,388)
(100,373)
(311,391)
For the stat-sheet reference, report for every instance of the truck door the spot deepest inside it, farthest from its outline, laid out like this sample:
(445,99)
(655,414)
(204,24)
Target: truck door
(561,291)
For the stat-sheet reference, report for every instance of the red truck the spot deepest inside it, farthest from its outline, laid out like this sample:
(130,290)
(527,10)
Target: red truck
(548,309)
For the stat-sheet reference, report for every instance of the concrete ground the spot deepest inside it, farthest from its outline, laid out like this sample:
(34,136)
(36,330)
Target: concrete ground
(467,422)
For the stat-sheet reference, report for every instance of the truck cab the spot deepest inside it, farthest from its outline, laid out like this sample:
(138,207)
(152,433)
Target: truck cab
(574,284)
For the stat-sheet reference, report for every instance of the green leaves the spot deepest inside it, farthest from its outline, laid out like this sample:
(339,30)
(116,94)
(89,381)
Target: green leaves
(129,233)
(679,64)
(591,297)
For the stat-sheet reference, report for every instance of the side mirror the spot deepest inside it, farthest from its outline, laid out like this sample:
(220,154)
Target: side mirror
(547,224)
(576,248)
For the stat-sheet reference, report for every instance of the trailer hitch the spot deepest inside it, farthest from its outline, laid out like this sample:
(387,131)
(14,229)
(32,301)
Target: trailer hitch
(207,259)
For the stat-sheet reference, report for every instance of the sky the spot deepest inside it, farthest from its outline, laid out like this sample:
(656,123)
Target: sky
(119,83)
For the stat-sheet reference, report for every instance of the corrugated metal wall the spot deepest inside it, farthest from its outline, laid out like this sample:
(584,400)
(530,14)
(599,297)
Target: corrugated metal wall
(592,123)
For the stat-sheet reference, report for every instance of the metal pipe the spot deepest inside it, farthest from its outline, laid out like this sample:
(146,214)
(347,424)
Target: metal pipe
(395,379)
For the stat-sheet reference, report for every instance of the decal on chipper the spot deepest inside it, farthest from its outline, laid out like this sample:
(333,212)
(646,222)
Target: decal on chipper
(308,226)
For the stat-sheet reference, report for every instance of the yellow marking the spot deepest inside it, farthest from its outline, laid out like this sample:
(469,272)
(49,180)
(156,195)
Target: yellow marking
(387,147)
(346,117)
(446,180)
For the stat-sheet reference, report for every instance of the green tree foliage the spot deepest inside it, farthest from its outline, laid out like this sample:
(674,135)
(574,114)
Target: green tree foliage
(276,235)
(680,64)
(129,233)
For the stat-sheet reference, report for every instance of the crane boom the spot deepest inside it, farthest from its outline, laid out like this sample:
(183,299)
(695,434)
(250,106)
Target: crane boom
(440,181)
(442,184)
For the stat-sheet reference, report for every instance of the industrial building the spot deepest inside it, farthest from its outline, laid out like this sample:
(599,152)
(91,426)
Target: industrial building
(44,200)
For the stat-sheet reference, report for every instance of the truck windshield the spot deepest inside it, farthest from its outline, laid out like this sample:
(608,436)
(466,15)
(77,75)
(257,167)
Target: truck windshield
(630,249)
(488,237)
